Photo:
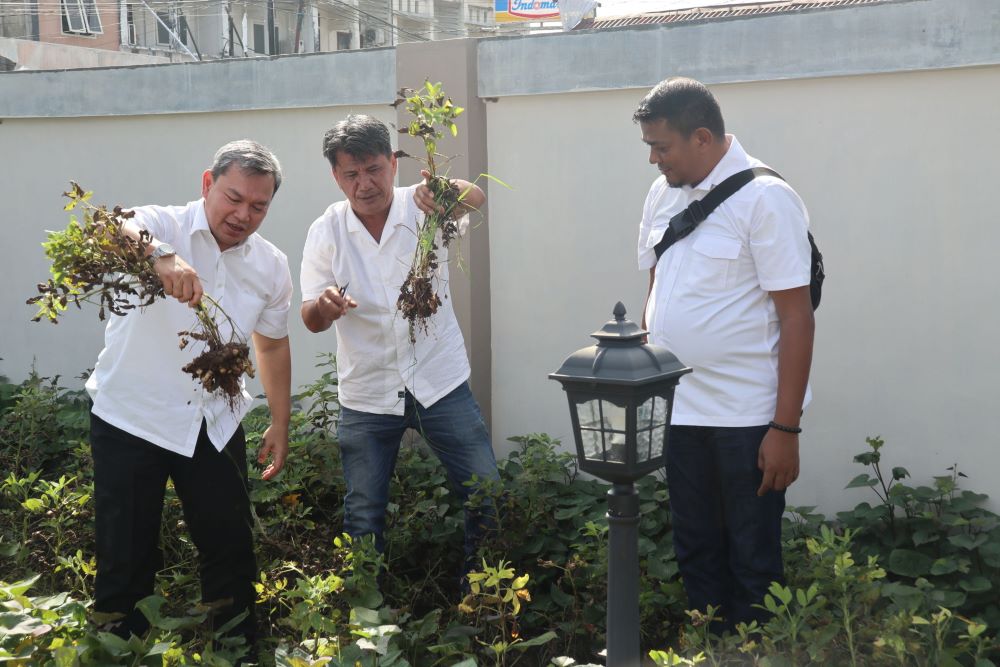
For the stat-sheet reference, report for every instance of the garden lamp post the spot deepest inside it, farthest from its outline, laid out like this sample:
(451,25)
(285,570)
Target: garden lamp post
(621,395)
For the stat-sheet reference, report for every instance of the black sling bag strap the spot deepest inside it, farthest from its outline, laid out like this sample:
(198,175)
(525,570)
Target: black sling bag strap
(684,223)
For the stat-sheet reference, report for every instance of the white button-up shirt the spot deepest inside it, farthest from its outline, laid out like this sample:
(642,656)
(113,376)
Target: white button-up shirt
(710,304)
(138,385)
(376,361)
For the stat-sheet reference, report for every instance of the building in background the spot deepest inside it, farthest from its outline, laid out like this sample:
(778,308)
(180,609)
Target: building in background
(171,30)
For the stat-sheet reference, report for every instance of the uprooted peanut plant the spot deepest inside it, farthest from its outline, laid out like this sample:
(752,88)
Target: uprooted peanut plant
(432,112)
(94,260)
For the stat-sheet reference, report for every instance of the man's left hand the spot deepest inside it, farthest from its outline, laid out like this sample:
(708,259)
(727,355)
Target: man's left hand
(423,197)
(778,458)
(274,443)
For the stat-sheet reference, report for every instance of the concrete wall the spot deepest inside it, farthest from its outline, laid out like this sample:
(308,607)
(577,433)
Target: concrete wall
(905,343)
(866,112)
(888,134)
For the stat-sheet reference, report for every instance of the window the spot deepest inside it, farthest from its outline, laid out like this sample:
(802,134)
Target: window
(130,22)
(163,27)
(259,38)
(343,40)
(81,17)
(182,28)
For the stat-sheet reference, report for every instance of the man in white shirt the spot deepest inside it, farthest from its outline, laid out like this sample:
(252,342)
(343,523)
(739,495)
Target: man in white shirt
(151,421)
(731,300)
(387,382)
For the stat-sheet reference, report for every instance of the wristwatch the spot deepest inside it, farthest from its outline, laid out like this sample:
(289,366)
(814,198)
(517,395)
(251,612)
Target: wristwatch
(162,250)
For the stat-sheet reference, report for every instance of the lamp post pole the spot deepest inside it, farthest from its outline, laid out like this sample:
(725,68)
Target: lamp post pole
(623,576)
(621,395)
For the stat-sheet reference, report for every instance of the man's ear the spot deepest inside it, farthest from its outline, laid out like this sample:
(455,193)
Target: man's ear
(704,137)
(206,182)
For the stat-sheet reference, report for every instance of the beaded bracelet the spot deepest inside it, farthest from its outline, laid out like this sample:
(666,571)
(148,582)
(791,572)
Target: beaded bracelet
(786,429)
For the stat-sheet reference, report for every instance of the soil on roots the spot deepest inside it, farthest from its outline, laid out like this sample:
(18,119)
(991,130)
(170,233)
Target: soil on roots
(417,301)
(220,367)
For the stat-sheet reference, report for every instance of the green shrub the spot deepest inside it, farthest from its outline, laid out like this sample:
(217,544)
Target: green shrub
(908,581)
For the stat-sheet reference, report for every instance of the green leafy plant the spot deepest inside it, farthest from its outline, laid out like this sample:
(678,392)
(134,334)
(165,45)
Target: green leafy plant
(496,596)
(325,600)
(938,543)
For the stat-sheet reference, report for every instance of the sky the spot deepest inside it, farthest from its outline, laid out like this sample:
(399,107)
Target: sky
(625,7)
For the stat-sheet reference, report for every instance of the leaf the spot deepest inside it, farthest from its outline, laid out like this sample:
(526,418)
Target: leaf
(900,473)
(866,458)
(909,563)
(494,179)
(946,598)
(863,479)
(33,505)
(975,584)
(925,536)
(968,542)
(535,641)
(944,566)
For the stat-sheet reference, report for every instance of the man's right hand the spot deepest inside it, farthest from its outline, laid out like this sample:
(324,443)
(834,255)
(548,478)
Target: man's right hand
(179,279)
(332,306)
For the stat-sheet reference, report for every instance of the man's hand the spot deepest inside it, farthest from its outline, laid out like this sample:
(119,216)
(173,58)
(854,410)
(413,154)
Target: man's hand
(274,444)
(472,197)
(332,306)
(778,458)
(179,279)
(423,197)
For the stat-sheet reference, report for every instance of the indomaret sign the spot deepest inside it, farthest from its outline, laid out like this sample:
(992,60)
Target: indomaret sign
(508,11)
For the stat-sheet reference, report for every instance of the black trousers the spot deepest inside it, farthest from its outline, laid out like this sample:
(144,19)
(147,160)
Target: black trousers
(130,477)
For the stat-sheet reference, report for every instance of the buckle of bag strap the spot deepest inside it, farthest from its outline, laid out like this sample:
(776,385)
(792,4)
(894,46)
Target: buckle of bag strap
(696,211)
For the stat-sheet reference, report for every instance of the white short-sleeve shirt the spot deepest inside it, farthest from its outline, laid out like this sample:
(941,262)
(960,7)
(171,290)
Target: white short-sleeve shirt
(710,304)
(376,361)
(137,384)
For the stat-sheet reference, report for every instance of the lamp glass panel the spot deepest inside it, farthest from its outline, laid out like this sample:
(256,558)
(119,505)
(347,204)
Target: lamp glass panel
(644,414)
(589,414)
(616,446)
(643,445)
(593,447)
(657,444)
(614,416)
(614,431)
(659,411)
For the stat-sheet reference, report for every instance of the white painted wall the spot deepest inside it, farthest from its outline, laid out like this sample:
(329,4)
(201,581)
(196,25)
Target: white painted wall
(896,170)
(145,160)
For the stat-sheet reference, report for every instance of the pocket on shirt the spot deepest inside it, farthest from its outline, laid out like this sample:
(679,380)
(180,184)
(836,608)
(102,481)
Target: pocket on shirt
(712,262)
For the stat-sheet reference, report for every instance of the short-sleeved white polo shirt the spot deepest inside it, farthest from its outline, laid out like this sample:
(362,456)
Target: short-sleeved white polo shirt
(376,361)
(710,304)
(137,384)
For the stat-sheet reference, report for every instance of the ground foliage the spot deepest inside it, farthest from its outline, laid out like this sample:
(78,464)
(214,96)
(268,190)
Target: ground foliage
(906,581)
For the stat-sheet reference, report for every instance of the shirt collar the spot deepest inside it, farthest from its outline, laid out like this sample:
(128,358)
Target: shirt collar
(735,160)
(394,218)
(200,224)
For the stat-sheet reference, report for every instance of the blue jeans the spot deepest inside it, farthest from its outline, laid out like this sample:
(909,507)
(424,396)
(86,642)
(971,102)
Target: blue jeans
(727,539)
(369,444)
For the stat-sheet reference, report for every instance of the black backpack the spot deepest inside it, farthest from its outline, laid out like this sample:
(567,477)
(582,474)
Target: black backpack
(684,223)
